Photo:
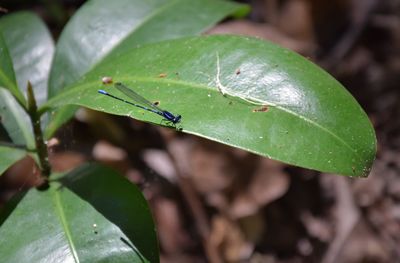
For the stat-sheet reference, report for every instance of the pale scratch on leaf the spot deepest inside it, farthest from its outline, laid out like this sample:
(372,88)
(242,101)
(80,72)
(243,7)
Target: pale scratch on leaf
(225,90)
(220,87)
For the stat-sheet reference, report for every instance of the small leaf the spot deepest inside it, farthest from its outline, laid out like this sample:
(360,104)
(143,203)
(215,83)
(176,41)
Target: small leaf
(9,156)
(280,105)
(94,215)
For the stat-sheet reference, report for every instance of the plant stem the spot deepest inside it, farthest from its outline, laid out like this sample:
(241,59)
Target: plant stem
(37,130)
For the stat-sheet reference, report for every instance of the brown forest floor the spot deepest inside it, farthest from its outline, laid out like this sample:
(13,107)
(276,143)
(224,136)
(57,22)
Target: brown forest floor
(231,206)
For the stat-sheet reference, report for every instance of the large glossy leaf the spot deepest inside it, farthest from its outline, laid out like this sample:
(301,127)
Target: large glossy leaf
(9,156)
(92,215)
(31,48)
(100,26)
(13,120)
(308,118)
(103,27)
(28,44)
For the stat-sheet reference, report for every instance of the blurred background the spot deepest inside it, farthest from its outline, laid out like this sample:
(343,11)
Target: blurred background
(213,203)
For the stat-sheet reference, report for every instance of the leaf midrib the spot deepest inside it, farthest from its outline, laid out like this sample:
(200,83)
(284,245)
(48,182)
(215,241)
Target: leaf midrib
(64,223)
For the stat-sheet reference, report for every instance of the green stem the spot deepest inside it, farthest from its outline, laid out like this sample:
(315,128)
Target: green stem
(37,130)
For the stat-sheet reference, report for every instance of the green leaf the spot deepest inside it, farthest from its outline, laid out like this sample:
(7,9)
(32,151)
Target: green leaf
(9,156)
(103,27)
(31,48)
(28,44)
(94,215)
(308,118)
(7,75)
(15,120)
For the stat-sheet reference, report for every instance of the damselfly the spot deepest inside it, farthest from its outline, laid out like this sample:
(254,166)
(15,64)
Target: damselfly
(142,103)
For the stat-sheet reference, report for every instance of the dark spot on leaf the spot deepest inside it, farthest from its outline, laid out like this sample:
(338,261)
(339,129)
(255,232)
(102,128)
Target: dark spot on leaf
(263,108)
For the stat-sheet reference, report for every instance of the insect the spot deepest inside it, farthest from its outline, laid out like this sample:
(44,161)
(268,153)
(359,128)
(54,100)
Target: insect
(142,103)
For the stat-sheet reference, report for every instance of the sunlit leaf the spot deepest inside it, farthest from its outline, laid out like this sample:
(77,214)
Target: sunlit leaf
(103,28)
(278,105)
(31,49)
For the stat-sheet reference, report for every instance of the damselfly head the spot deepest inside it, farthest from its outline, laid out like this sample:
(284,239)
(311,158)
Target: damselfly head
(177,119)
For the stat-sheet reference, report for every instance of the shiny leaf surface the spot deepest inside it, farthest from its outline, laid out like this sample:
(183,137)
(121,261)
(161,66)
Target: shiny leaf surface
(31,48)
(13,119)
(91,215)
(278,104)
(103,27)
(27,50)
